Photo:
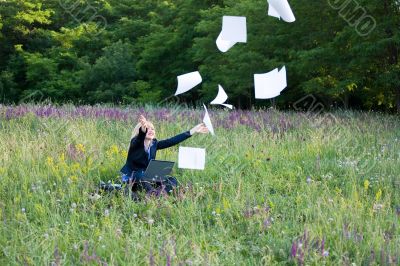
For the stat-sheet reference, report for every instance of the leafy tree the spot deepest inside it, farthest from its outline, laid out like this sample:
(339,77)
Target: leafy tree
(131,51)
(109,77)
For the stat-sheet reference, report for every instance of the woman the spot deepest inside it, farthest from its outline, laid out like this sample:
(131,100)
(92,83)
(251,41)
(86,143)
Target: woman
(143,148)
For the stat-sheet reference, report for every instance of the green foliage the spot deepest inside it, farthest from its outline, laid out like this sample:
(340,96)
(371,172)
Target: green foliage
(111,73)
(113,44)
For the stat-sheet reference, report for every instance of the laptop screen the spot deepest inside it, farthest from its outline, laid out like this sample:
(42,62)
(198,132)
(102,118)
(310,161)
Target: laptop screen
(158,170)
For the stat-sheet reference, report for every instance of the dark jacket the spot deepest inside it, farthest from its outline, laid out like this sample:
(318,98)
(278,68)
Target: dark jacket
(138,158)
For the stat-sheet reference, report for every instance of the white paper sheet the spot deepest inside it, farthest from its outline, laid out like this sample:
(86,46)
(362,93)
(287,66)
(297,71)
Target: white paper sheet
(221,98)
(207,121)
(234,30)
(270,85)
(280,9)
(191,158)
(187,82)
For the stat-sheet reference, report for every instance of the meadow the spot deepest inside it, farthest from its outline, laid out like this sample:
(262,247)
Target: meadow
(279,188)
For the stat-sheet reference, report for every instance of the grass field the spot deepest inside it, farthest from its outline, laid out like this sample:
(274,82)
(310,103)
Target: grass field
(278,188)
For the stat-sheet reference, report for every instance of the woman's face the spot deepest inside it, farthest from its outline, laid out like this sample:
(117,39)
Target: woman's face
(151,133)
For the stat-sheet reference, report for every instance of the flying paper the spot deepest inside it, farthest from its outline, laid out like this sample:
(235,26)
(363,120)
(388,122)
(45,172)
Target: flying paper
(280,9)
(207,121)
(234,30)
(270,85)
(187,82)
(191,158)
(221,98)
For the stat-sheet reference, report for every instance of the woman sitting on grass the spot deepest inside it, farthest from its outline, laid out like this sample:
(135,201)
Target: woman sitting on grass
(143,148)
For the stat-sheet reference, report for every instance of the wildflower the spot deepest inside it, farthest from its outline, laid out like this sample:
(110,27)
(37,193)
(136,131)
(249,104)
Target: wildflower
(106,212)
(267,223)
(134,215)
(308,180)
(150,221)
(46,235)
(325,253)
(50,161)
(377,207)
(73,178)
(293,251)
(124,153)
(75,246)
(75,166)
(73,205)
(94,196)
(247,213)
(23,210)
(366,185)
(378,195)
(118,232)
(80,147)
(112,150)
(62,157)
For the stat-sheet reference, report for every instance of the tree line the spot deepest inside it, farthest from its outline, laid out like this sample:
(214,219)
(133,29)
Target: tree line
(342,52)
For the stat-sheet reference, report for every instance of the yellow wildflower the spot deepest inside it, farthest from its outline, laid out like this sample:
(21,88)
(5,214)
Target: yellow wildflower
(75,167)
(378,195)
(124,153)
(62,157)
(366,184)
(226,204)
(80,147)
(74,178)
(114,149)
(40,209)
(20,216)
(50,161)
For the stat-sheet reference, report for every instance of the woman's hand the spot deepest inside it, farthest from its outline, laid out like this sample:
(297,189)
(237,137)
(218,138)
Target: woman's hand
(200,128)
(143,122)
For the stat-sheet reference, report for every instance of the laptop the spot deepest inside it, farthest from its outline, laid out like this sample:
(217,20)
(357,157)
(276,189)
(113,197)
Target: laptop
(157,170)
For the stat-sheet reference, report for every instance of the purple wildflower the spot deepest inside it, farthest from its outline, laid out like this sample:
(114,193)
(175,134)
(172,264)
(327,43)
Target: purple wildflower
(293,251)
(151,258)
(168,260)
(267,223)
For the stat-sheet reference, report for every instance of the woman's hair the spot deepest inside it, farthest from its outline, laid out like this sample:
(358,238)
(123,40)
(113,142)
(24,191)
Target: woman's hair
(135,131)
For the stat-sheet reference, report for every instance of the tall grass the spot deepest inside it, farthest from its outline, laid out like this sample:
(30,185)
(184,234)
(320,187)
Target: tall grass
(278,188)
